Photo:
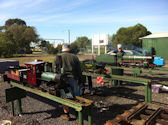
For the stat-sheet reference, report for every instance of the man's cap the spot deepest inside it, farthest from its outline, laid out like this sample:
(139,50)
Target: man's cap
(119,46)
(65,47)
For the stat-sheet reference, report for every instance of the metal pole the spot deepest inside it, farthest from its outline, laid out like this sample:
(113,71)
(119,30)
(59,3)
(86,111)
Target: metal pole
(149,93)
(105,49)
(92,49)
(12,104)
(80,118)
(12,107)
(111,83)
(146,93)
(69,36)
(90,116)
(19,104)
(90,83)
(98,49)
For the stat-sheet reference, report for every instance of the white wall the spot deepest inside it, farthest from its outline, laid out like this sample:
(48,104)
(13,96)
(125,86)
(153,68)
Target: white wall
(100,40)
(96,39)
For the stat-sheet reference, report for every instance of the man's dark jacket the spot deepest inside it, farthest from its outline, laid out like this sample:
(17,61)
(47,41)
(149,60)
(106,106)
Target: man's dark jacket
(70,63)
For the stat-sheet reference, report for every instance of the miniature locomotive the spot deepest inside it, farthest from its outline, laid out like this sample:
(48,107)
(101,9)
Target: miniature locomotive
(38,74)
(141,61)
(131,60)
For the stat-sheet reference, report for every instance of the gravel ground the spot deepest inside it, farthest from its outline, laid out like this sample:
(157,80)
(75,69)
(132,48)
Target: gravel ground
(108,103)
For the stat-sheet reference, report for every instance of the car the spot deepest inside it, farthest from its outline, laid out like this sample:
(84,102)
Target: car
(127,52)
(111,51)
(132,52)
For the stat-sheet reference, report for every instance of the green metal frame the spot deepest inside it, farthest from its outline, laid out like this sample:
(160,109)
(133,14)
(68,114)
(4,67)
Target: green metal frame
(146,82)
(87,104)
(12,94)
(140,70)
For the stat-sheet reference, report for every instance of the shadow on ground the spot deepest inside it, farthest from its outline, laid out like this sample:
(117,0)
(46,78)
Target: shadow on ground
(102,110)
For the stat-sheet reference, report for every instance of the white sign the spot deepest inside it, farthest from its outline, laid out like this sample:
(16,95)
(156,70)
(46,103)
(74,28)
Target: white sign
(100,39)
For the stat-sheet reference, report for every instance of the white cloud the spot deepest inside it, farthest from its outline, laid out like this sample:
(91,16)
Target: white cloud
(103,19)
(33,3)
(3,18)
(37,18)
(7,4)
(10,4)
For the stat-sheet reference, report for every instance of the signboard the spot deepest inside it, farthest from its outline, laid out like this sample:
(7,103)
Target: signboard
(100,39)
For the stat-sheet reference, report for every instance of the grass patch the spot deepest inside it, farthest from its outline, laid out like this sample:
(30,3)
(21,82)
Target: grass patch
(1,82)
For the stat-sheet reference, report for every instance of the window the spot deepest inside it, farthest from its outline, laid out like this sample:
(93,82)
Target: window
(101,41)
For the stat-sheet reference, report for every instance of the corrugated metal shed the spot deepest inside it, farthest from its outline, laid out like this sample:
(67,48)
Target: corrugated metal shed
(158,43)
(156,35)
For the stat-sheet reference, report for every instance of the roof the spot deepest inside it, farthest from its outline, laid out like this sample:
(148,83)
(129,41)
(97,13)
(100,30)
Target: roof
(34,63)
(156,35)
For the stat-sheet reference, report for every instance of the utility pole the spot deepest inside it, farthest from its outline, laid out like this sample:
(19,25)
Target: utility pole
(69,36)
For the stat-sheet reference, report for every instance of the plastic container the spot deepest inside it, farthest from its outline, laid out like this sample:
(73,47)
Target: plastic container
(5,122)
(156,88)
(165,88)
(158,61)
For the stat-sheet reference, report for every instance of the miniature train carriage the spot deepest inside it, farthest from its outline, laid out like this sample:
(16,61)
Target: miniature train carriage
(34,71)
(18,74)
(39,74)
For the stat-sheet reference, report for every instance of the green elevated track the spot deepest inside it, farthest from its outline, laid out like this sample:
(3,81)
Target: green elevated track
(149,70)
(79,104)
(146,82)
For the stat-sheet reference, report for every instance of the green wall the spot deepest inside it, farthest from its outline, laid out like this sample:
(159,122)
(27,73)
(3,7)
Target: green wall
(160,46)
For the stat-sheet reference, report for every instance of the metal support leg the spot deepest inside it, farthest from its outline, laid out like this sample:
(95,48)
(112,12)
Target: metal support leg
(12,103)
(90,116)
(12,108)
(90,83)
(118,83)
(135,75)
(80,118)
(146,93)
(115,83)
(149,93)
(19,104)
(111,83)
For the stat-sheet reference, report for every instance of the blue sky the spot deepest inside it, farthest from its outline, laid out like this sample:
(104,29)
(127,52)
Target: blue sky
(52,18)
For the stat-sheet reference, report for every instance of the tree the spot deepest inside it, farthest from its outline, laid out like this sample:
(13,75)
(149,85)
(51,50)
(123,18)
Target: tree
(74,48)
(43,43)
(111,39)
(130,35)
(82,42)
(16,21)
(59,48)
(51,49)
(7,47)
(19,35)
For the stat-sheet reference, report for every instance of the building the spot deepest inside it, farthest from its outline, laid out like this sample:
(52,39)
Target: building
(156,43)
(99,40)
